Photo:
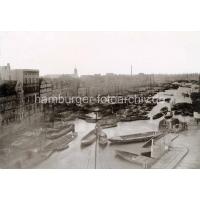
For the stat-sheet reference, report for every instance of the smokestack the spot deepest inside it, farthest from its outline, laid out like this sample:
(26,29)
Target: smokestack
(131,70)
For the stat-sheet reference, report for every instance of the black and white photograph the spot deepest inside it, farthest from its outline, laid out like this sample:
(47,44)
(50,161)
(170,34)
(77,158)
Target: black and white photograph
(99,100)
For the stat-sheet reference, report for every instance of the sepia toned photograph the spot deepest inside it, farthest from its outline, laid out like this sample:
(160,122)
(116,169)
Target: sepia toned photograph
(99,100)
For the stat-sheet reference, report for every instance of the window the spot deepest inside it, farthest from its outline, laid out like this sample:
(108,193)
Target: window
(25,80)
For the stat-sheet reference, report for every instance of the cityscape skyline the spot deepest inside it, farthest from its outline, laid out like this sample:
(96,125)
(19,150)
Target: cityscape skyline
(102,52)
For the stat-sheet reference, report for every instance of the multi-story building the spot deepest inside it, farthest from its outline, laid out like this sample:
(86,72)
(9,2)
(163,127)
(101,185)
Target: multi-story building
(5,72)
(82,92)
(30,82)
(11,101)
(45,87)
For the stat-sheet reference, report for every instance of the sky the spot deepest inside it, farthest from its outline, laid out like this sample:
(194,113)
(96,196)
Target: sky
(102,52)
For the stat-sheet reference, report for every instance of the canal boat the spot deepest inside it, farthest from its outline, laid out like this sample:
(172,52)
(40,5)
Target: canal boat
(89,138)
(138,137)
(46,154)
(103,139)
(70,118)
(62,147)
(134,118)
(63,125)
(105,126)
(169,115)
(50,130)
(157,116)
(52,134)
(168,94)
(149,142)
(164,110)
(88,118)
(108,123)
(126,119)
(63,143)
(135,158)
(65,118)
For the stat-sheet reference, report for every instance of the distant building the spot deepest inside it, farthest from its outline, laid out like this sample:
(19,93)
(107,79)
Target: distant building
(53,76)
(30,82)
(5,72)
(45,87)
(75,72)
(11,101)
(82,92)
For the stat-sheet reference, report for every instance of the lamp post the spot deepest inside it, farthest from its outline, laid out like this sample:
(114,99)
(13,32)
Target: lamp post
(96,110)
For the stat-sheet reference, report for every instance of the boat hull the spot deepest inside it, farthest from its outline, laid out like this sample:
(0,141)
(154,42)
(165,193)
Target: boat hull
(108,126)
(89,138)
(55,135)
(144,161)
(133,138)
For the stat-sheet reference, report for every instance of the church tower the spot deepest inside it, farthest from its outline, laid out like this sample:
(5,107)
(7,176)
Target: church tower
(75,72)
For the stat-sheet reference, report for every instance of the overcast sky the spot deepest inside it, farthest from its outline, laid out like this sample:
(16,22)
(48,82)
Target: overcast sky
(102,52)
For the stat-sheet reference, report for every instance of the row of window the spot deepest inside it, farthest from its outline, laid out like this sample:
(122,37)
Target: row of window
(31,80)
(31,73)
(31,89)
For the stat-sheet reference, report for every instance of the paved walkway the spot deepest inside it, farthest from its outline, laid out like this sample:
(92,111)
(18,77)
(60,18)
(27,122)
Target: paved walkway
(171,158)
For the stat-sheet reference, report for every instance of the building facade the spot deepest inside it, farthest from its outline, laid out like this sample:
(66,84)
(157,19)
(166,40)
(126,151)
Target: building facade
(5,72)
(30,83)
(11,101)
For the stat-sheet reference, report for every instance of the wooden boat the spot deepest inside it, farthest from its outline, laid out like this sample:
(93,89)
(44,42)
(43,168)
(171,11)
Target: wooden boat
(126,119)
(164,109)
(134,118)
(88,119)
(104,126)
(134,158)
(63,125)
(63,143)
(169,115)
(70,118)
(50,130)
(58,133)
(103,139)
(168,94)
(46,154)
(158,115)
(108,123)
(66,118)
(177,112)
(143,117)
(89,138)
(62,147)
(60,143)
(149,142)
(64,114)
(91,120)
(57,126)
(138,137)
(167,100)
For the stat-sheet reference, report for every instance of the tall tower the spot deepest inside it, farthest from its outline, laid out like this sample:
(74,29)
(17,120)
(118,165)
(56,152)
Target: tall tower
(75,72)
(131,70)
